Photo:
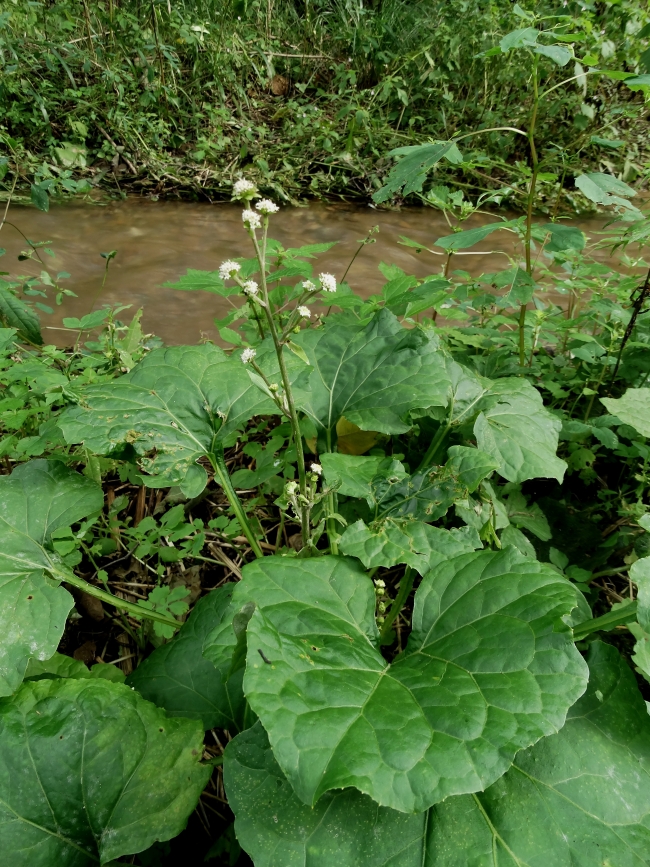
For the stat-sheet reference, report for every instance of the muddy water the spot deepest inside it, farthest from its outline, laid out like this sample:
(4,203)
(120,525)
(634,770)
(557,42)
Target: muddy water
(158,241)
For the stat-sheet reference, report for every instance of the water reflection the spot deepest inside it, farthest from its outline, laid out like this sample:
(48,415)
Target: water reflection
(159,241)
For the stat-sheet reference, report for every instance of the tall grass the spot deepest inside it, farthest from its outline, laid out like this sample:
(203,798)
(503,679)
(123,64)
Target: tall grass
(307,95)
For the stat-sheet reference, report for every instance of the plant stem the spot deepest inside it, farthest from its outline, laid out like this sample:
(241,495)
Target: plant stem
(608,621)
(529,206)
(135,610)
(286,383)
(221,471)
(436,442)
(405,587)
(331,507)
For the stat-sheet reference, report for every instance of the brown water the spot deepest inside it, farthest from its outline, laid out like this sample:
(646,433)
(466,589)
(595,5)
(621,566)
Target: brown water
(158,241)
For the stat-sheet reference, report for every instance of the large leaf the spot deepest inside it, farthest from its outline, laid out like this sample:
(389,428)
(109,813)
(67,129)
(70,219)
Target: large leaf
(633,409)
(172,409)
(179,679)
(489,669)
(373,375)
(90,771)
(411,170)
(640,575)
(390,541)
(468,237)
(36,499)
(580,798)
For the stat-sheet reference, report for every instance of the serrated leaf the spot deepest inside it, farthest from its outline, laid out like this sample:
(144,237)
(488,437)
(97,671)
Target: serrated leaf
(564,238)
(417,160)
(89,771)
(39,197)
(640,575)
(580,797)
(177,678)
(373,375)
(36,499)
(529,516)
(391,541)
(202,281)
(557,53)
(489,669)
(351,474)
(172,409)
(467,238)
(633,409)
(16,314)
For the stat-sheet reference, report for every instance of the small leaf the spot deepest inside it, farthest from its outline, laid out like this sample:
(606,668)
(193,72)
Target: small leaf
(16,314)
(557,53)
(417,160)
(299,351)
(467,238)
(564,238)
(89,771)
(40,197)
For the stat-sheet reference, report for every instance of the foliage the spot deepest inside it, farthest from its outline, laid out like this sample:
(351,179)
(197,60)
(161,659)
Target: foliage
(309,96)
(399,526)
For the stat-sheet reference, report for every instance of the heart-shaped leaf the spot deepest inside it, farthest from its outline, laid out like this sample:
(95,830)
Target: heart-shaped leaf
(633,409)
(580,797)
(489,669)
(179,679)
(90,771)
(35,500)
(173,408)
(373,375)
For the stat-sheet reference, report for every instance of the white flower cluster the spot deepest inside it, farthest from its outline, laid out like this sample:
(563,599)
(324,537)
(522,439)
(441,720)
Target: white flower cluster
(304,311)
(328,282)
(266,207)
(228,269)
(250,287)
(243,189)
(252,219)
(316,468)
(248,355)
(308,286)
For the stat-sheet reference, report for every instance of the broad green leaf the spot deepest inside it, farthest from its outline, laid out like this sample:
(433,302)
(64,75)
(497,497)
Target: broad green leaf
(411,170)
(633,409)
(580,797)
(467,238)
(373,375)
(352,474)
(637,82)
(90,320)
(515,429)
(640,575)
(89,771)
(563,238)
(173,408)
(16,314)
(488,670)
(60,665)
(557,53)
(346,829)
(390,541)
(521,38)
(521,288)
(179,679)
(204,281)
(607,190)
(40,197)
(531,517)
(7,337)
(35,500)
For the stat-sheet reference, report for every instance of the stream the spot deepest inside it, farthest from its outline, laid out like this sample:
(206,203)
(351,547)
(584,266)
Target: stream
(157,242)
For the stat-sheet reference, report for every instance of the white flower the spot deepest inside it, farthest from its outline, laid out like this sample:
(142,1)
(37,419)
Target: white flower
(308,286)
(328,282)
(250,287)
(228,269)
(251,219)
(243,189)
(316,468)
(266,207)
(304,311)
(248,355)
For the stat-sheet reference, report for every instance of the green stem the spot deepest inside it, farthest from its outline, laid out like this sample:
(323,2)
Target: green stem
(598,384)
(432,451)
(293,415)
(135,610)
(218,462)
(331,507)
(608,621)
(405,587)
(530,200)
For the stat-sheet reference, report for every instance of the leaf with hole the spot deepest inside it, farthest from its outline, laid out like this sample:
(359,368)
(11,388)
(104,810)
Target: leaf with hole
(633,409)
(89,771)
(488,670)
(38,498)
